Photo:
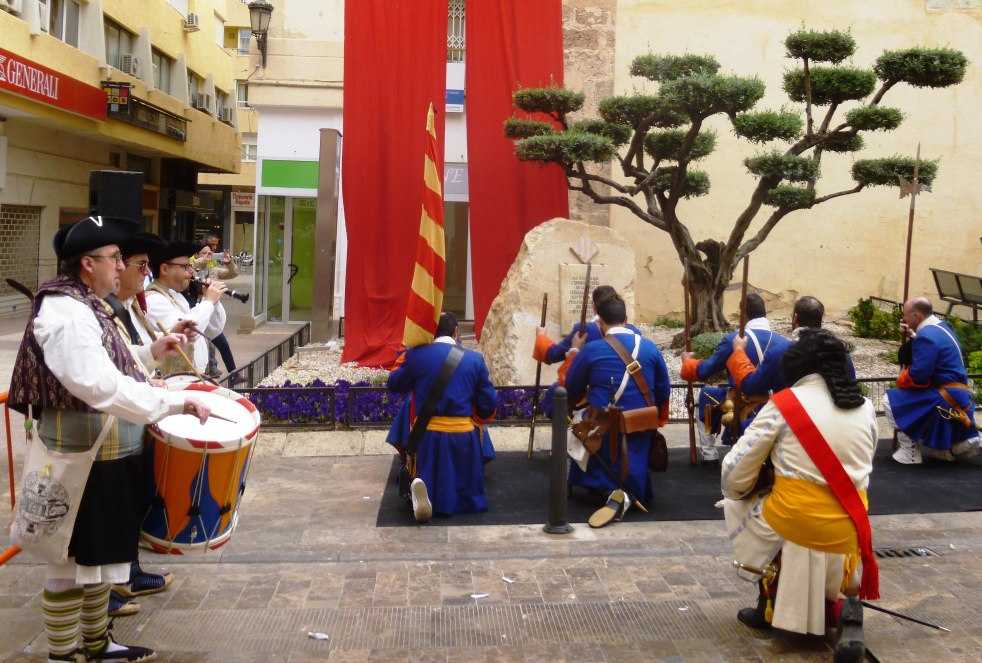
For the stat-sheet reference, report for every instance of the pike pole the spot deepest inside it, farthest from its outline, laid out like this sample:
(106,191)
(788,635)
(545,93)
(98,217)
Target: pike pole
(538,379)
(743,295)
(914,190)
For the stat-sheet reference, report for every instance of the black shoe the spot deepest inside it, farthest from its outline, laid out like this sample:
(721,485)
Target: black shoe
(124,653)
(850,647)
(753,618)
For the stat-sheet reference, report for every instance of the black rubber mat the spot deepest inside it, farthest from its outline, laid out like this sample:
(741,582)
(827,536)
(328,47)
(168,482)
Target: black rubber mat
(518,491)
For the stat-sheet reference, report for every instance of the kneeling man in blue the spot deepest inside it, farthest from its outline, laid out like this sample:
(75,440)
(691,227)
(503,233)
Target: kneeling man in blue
(763,343)
(600,374)
(451,395)
(932,407)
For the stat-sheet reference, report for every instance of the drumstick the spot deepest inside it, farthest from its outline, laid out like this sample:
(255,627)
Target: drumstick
(190,363)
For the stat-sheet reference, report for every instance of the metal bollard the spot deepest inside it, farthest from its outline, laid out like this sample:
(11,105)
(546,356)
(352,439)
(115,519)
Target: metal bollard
(557,467)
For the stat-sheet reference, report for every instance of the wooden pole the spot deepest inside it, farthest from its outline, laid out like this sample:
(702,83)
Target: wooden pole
(910,221)
(690,402)
(743,295)
(538,379)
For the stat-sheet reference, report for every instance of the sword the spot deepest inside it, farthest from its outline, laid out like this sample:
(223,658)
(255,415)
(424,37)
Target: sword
(903,616)
(538,378)
(610,475)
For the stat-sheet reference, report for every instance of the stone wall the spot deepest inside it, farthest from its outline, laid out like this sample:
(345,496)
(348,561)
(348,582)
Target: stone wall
(589,32)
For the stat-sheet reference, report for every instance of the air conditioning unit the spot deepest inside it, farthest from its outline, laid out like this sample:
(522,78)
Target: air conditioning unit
(14,6)
(191,23)
(225,115)
(129,64)
(202,102)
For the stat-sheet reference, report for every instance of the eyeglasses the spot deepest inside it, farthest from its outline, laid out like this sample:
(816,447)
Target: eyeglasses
(115,257)
(184,265)
(141,265)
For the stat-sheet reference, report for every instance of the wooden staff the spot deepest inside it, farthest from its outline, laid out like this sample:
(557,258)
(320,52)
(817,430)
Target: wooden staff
(914,189)
(586,297)
(187,360)
(743,295)
(538,379)
(690,402)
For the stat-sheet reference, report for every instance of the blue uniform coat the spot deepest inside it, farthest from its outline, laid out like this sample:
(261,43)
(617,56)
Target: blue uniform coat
(937,360)
(762,381)
(596,373)
(450,464)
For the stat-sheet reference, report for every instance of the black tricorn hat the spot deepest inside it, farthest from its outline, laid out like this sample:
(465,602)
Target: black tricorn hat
(92,233)
(140,243)
(166,251)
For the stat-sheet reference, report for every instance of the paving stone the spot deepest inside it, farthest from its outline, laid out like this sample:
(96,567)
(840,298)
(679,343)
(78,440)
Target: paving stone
(324,443)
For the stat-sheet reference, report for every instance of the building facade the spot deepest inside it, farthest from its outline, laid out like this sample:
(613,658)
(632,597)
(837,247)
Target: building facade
(108,84)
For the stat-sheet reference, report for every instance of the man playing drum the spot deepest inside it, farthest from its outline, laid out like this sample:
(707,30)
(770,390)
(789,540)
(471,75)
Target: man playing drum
(73,371)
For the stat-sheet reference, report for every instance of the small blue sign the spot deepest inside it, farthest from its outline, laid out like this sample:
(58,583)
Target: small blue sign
(455,101)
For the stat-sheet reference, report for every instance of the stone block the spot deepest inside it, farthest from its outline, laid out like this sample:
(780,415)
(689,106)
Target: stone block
(509,330)
(324,443)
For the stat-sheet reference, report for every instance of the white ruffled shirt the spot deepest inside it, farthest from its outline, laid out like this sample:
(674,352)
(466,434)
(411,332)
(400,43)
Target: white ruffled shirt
(71,338)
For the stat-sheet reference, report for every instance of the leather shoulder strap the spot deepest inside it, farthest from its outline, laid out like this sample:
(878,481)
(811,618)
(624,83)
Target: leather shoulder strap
(433,397)
(633,368)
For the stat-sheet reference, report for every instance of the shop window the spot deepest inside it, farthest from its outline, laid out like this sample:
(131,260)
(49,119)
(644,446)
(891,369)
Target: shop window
(119,42)
(162,68)
(20,236)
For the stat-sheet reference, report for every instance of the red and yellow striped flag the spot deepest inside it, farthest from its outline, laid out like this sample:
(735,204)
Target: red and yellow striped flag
(426,295)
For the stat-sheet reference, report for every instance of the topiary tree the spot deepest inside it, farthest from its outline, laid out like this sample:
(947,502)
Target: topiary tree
(656,139)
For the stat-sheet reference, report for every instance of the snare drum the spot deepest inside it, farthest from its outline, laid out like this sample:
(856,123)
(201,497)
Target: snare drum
(199,472)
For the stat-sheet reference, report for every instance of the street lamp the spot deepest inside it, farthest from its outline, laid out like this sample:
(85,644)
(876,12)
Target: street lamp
(260,12)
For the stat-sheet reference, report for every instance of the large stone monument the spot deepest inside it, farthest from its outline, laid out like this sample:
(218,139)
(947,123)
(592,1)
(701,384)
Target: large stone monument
(547,263)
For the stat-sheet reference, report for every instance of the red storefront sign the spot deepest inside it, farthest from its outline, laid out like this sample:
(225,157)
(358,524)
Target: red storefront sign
(35,81)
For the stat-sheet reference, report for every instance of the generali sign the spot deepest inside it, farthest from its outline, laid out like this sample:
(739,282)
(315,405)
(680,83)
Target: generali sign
(35,81)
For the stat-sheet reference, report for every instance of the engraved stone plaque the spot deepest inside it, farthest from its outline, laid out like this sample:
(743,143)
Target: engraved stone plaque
(571,279)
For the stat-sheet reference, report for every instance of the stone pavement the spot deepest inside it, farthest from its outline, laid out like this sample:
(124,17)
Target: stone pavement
(308,557)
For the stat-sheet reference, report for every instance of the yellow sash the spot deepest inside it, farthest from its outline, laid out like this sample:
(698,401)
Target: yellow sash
(451,424)
(809,515)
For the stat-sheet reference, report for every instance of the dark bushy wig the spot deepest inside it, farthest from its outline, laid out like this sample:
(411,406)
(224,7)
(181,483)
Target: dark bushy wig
(820,351)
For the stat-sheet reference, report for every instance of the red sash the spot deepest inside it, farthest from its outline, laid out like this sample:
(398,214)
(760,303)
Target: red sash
(839,483)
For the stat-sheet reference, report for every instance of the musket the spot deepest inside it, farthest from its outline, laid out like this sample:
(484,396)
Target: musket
(690,402)
(743,295)
(538,378)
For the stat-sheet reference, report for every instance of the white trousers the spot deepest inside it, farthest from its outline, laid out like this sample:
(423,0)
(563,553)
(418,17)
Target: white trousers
(808,577)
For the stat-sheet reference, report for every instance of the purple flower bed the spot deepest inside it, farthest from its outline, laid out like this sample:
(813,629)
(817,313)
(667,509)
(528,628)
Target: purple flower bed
(358,404)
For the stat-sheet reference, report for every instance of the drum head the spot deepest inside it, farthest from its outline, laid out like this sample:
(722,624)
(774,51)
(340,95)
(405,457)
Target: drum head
(242,426)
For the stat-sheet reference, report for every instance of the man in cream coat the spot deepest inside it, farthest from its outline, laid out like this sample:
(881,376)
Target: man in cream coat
(800,518)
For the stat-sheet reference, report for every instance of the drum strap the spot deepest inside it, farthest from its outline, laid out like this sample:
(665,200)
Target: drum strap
(433,398)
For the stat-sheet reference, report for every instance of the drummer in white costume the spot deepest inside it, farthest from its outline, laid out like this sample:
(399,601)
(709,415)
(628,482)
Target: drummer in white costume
(166,306)
(73,370)
(802,521)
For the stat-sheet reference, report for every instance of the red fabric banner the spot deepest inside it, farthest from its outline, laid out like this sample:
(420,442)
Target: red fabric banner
(395,59)
(510,44)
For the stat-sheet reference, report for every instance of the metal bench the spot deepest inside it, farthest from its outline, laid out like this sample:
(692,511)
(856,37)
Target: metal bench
(959,290)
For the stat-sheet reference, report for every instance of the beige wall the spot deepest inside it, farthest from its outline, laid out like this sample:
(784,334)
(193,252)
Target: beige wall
(845,248)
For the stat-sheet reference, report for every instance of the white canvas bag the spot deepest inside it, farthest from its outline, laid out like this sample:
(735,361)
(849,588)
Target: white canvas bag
(51,491)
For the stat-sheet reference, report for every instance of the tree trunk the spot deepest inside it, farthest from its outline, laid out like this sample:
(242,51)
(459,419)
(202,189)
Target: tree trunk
(707,308)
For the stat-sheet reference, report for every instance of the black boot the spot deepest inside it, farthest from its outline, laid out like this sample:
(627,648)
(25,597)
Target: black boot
(754,617)
(850,647)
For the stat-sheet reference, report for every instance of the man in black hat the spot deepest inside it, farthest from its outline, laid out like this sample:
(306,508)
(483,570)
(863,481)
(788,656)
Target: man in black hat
(166,306)
(74,373)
